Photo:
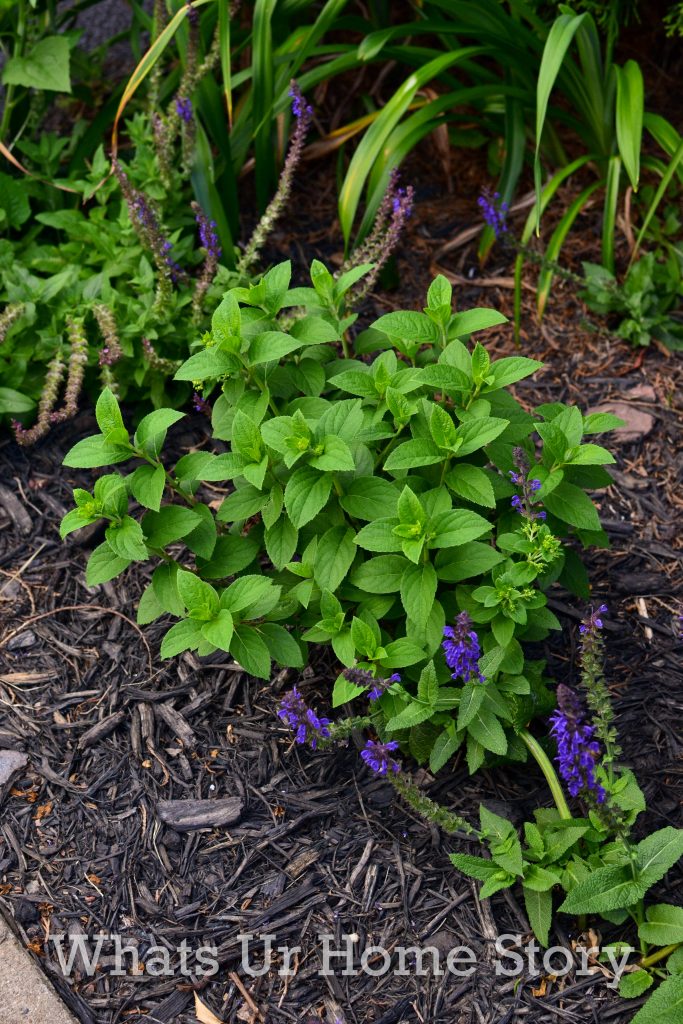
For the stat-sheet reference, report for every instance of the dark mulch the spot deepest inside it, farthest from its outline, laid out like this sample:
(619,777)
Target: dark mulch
(321,847)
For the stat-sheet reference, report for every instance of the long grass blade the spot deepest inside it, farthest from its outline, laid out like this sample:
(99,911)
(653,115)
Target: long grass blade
(374,139)
(549,190)
(664,134)
(609,216)
(226,56)
(147,63)
(676,159)
(263,86)
(561,34)
(629,118)
(545,278)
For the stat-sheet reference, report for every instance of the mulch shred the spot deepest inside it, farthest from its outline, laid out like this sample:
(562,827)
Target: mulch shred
(295,843)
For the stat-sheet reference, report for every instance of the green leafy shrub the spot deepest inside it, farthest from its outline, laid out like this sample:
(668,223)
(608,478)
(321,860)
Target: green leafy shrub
(370,502)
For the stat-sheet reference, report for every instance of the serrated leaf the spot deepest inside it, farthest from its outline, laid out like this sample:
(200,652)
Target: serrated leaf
(539,908)
(488,731)
(306,493)
(418,591)
(251,652)
(219,630)
(103,565)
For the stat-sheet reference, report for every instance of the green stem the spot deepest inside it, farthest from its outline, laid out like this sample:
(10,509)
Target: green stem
(546,767)
(19,40)
(661,954)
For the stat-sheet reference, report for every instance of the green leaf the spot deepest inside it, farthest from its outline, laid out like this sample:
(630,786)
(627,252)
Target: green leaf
(407,325)
(539,908)
(629,117)
(609,888)
(334,555)
(108,413)
(664,925)
(281,540)
(45,67)
(572,505)
(665,1005)
(476,433)
(472,483)
(271,346)
(103,565)
(450,529)
(445,745)
(335,458)
(164,583)
(428,685)
(469,560)
(380,575)
(470,703)
(202,540)
(149,607)
(126,540)
(657,853)
(199,597)
(231,555)
(413,714)
(185,635)
(344,691)
(76,519)
(418,452)
(474,867)
(169,524)
(242,504)
(11,400)
(418,591)
(219,630)
(477,319)
(251,652)
(488,731)
(379,536)
(95,451)
(633,985)
(152,429)
(370,498)
(509,370)
(147,486)
(206,364)
(246,592)
(282,646)
(401,653)
(306,493)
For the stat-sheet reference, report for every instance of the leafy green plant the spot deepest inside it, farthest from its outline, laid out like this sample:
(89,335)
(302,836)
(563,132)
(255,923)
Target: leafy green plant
(644,304)
(370,499)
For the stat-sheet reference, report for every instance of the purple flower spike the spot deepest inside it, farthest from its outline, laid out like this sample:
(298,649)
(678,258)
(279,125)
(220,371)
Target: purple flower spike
(526,504)
(462,650)
(300,107)
(183,107)
(307,726)
(592,623)
(494,212)
(378,756)
(577,749)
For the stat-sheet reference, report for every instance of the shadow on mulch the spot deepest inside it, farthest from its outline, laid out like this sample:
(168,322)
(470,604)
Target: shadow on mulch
(321,847)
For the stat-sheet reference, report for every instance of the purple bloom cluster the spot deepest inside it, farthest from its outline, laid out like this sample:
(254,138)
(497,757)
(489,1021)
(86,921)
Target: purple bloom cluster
(494,212)
(299,105)
(208,235)
(592,623)
(303,720)
(361,677)
(461,647)
(183,106)
(378,756)
(577,749)
(526,503)
(201,404)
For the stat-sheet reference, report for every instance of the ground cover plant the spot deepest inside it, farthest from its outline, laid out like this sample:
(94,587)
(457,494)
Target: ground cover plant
(360,516)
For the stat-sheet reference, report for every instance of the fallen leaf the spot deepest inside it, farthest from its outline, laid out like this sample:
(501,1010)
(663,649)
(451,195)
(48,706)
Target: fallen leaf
(637,423)
(203,1014)
(43,811)
(542,988)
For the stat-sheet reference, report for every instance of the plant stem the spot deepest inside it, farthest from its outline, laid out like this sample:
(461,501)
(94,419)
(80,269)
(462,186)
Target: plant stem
(18,51)
(543,762)
(661,954)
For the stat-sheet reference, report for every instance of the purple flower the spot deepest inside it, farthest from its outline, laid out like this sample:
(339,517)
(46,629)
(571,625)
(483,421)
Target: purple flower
(361,677)
(592,623)
(183,106)
(494,212)
(461,648)
(299,105)
(303,720)
(526,504)
(378,756)
(201,404)
(381,685)
(577,749)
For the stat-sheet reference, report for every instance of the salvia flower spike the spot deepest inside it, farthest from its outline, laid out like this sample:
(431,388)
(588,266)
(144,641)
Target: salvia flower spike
(378,756)
(302,113)
(578,751)
(461,648)
(494,211)
(307,726)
